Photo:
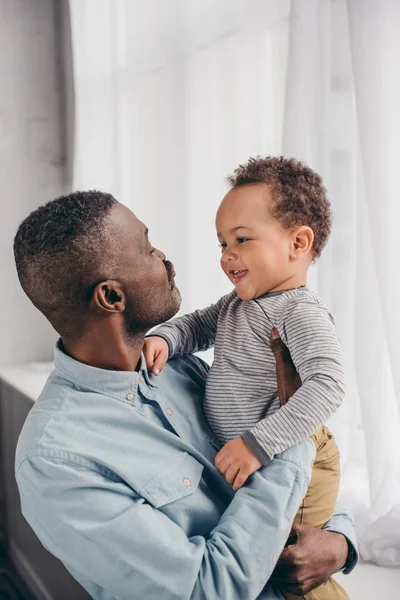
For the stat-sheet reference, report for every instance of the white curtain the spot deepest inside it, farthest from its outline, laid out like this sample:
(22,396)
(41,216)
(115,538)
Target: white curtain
(343,117)
(171,95)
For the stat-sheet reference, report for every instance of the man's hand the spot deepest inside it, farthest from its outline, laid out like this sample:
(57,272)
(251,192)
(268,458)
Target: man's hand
(311,560)
(155,351)
(237,462)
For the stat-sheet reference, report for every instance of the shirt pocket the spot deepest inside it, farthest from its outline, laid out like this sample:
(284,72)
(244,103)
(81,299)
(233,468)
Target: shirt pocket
(181,478)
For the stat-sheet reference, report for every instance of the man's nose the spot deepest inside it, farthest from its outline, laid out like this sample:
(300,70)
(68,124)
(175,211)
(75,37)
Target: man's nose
(160,254)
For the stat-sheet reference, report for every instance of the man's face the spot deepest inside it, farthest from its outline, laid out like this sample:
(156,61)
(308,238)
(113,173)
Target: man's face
(147,277)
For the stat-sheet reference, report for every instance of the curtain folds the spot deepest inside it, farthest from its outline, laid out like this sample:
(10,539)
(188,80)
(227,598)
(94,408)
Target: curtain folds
(171,96)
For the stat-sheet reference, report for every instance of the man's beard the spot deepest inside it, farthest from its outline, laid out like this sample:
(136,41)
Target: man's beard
(138,321)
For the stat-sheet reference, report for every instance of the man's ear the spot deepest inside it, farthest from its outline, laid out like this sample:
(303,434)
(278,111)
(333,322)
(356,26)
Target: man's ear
(109,296)
(301,242)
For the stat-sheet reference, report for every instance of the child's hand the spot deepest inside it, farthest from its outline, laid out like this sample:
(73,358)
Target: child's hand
(237,462)
(155,351)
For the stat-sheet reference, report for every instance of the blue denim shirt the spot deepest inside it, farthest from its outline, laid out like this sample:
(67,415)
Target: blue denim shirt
(117,478)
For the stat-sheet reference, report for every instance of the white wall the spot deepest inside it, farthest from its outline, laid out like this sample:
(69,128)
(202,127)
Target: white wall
(31,156)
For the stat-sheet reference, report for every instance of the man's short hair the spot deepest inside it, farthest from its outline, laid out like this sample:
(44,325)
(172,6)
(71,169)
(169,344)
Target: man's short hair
(299,196)
(59,254)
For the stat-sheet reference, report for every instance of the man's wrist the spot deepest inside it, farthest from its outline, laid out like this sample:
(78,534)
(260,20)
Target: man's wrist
(341,550)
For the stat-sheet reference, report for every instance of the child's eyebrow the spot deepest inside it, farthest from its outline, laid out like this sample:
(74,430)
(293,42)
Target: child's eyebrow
(240,227)
(219,235)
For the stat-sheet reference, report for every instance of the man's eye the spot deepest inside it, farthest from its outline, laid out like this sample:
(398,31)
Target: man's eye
(241,240)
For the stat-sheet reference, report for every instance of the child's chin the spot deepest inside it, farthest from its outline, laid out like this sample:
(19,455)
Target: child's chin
(245,296)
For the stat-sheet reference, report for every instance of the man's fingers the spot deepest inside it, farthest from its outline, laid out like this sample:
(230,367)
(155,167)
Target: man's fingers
(298,589)
(296,529)
(286,558)
(275,334)
(292,539)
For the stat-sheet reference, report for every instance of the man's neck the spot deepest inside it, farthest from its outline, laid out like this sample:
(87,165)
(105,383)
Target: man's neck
(106,350)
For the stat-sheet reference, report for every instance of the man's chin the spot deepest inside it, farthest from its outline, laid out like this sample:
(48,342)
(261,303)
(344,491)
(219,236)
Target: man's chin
(170,306)
(156,311)
(176,300)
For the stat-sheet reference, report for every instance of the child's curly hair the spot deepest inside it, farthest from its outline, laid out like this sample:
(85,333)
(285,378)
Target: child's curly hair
(298,193)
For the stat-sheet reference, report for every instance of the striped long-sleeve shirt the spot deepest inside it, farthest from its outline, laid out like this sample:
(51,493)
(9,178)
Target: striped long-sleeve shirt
(241,391)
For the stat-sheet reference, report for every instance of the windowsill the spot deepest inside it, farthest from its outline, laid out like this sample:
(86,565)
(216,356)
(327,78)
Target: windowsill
(368,582)
(28,379)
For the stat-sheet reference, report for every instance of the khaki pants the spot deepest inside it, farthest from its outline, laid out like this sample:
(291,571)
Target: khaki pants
(319,503)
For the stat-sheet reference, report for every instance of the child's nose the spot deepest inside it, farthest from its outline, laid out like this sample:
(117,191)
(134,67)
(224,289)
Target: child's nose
(229,256)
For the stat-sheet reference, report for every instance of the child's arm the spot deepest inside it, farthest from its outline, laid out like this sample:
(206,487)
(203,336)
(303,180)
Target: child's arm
(308,331)
(184,335)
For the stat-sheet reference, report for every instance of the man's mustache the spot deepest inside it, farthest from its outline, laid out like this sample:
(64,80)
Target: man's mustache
(170,270)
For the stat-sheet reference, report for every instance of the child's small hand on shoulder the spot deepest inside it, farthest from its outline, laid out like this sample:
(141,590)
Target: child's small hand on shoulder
(237,462)
(155,350)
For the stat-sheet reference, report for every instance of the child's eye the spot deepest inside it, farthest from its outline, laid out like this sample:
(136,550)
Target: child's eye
(223,245)
(241,240)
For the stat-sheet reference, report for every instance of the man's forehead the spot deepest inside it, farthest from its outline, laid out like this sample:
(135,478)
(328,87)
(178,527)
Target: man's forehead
(123,218)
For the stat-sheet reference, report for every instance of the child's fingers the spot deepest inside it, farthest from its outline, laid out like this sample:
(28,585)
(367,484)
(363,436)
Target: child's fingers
(159,362)
(240,479)
(149,355)
(231,473)
(223,464)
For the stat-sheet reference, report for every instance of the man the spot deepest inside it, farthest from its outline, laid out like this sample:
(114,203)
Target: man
(116,468)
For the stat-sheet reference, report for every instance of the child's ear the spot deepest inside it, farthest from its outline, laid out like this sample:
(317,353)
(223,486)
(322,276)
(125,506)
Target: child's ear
(302,241)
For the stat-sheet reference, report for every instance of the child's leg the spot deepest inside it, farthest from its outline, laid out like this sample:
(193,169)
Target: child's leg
(320,501)
(330,590)
(318,505)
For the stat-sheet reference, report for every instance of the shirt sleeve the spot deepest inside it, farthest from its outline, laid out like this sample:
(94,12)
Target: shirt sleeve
(101,528)
(193,332)
(342,522)
(308,330)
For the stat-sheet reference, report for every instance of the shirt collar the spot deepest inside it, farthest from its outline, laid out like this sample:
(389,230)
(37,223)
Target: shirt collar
(117,384)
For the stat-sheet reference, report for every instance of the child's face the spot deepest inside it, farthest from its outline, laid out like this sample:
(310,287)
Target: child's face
(256,250)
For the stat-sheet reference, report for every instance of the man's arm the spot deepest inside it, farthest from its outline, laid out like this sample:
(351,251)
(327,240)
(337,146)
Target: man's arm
(193,332)
(100,527)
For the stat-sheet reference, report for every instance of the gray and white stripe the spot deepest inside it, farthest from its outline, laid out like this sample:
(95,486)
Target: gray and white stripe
(241,391)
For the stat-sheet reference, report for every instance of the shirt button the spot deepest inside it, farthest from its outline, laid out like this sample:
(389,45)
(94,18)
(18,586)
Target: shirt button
(168,411)
(141,379)
(186,482)
(130,396)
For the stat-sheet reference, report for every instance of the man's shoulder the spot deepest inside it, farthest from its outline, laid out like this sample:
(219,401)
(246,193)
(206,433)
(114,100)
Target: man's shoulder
(65,420)
(39,419)
(184,378)
(189,366)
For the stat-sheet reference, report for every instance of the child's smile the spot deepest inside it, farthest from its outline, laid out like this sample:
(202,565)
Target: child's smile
(237,276)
